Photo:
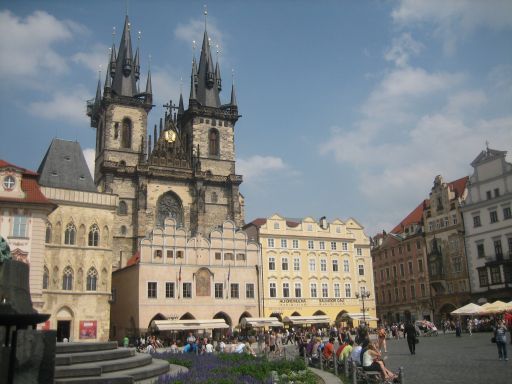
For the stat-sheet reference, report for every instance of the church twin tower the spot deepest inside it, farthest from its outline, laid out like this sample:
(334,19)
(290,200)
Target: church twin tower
(184,170)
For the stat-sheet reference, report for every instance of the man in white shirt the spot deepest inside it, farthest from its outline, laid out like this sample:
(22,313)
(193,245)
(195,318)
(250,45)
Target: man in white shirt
(355,356)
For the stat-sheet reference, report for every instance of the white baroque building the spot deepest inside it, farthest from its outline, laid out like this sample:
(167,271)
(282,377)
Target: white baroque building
(488,227)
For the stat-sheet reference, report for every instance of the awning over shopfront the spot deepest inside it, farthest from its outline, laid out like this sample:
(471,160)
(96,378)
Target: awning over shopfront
(184,325)
(359,317)
(260,322)
(304,320)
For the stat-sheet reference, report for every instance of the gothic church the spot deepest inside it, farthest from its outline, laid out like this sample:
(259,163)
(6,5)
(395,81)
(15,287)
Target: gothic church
(185,170)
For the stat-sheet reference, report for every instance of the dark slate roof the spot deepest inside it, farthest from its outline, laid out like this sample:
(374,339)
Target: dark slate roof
(125,84)
(207,94)
(64,166)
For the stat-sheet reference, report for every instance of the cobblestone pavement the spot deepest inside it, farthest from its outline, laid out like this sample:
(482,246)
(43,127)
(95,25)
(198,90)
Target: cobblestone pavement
(447,359)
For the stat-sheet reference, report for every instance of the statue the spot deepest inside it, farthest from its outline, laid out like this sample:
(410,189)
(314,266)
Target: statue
(5,250)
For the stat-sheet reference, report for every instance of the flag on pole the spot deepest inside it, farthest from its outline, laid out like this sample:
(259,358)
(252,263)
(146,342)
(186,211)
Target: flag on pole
(179,283)
(229,272)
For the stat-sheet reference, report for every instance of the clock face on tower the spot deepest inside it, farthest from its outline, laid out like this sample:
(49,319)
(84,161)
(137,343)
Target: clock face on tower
(8,183)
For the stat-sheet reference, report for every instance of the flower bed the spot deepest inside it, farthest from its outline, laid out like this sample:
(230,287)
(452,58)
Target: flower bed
(236,369)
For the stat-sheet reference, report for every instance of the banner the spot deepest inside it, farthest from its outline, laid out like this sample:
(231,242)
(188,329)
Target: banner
(88,329)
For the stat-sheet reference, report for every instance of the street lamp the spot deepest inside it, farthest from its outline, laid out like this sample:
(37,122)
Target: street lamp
(363,295)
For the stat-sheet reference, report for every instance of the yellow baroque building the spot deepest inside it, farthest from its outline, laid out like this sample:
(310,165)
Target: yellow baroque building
(314,268)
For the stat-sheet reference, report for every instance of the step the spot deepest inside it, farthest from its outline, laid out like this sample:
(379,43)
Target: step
(87,357)
(153,370)
(84,347)
(101,367)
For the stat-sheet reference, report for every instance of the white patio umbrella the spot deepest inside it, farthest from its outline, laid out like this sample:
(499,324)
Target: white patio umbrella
(468,310)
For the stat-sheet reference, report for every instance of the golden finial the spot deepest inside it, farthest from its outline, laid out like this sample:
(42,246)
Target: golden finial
(205,12)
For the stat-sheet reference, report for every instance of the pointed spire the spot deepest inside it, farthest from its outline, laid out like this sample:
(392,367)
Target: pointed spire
(97,100)
(149,146)
(218,80)
(136,61)
(207,90)
(125,81)
(233,93)
(181,108)
(149,89)
(161,126)
(154,136)
(113,56)
(193,80)
(108,79)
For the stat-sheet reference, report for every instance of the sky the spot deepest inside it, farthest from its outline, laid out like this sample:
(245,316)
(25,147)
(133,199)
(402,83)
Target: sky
(349,108)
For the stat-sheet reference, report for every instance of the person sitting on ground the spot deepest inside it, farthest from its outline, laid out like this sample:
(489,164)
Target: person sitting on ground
(174,347)
(328,349)
(372,361)
(248,349)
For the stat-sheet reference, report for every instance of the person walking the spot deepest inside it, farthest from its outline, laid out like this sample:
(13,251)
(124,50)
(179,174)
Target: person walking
(411,334)
(500,333)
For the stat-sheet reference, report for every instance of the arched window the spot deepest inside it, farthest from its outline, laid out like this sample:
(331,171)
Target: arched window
(67,279)
(213,142)
(126,134)
(70,234)
(169,205)
(46,278)
(123,230)
(94,236)
(48,235)
(123,208)
(92,279)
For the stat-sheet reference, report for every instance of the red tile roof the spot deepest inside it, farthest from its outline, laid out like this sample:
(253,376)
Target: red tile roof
(458,186)
(135,259)
(259,222)
(412,218)
(29,185)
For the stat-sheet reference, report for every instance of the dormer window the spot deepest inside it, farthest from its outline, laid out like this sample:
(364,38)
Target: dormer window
(9,183)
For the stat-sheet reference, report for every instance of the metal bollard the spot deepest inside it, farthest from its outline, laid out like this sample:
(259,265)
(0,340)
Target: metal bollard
(335,361)
(401,375)
(354,373)
(321,360)
(345,363)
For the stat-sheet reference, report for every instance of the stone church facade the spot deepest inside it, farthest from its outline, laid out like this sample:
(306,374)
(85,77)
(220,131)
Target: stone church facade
(185,169)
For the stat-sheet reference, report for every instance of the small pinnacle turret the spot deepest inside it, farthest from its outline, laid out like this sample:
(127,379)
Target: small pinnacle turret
(149,89)
(233,96)
(193,80)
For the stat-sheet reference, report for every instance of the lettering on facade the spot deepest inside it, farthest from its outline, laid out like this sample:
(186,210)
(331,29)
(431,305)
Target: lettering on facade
(287,301)
(332,300)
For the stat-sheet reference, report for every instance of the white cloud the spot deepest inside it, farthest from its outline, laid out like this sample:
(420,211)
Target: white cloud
(455,19)
(402,49)
(414,125)
(90,156)
(257,166)
(27,44)
(194,31)
(63,106)
(97,57)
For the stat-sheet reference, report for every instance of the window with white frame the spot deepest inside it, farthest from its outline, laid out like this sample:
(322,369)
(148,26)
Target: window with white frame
(276,225)
(344,246)
(325,290)
(361,269)
(270,243)
(296,264)
(310,227)
(313,290)
(323,265)
(272,290)
(271,263)
(295,244)
(92,279)
(335,265)
(249,291)
(346,266)
(333,245)
(284,263)
(337,291)
(284,243)
(235,291)
(348,290)
(67,279)
(311,244)
(359,251)
(321,245)
(19,227)
(152,290)
(187,290)
(312,265)
(169,290)
(219,290)
(298,290)
(286,290)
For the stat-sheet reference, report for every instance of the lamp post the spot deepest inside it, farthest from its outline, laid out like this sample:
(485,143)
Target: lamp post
(363,295)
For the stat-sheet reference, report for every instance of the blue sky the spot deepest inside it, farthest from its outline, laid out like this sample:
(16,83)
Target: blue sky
(350,108)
